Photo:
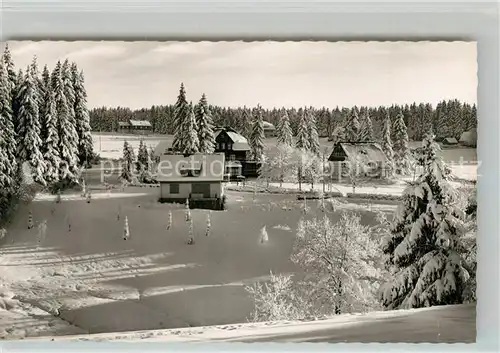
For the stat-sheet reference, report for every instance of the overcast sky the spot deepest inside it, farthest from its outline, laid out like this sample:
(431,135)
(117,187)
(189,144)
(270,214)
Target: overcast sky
(274,74)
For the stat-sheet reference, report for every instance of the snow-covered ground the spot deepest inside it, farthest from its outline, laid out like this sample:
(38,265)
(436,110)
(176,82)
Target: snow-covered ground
(466,172)
(446,324)
(82,277)
(111,146)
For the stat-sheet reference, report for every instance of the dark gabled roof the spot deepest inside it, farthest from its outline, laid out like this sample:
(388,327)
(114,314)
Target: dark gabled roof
(240,143)
(367,151)
(140,123)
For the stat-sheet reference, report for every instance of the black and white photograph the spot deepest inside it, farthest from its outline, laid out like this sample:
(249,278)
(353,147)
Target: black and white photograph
(265,191)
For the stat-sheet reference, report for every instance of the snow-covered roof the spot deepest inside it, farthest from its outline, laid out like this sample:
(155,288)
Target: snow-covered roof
(368,151)
(140,123)
(469,137)
(236,138)
(197,167)
(123,123)
(268,126)
(450,140)
(240,143)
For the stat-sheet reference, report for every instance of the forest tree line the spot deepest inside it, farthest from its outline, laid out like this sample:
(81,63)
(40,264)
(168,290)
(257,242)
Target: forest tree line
(449,118)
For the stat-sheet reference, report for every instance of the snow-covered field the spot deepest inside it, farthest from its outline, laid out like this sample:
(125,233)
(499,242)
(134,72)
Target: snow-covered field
(84,278)
(446,324)
(111,146)
(396,188)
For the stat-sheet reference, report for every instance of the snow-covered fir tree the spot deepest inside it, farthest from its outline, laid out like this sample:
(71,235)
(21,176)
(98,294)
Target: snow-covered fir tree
(366,133)
(29,146)
(144,163)
(400,145)
(39,85)
(12,77)
(314,146)
(82,118)
(181,113)
(302,139)
(142,157)
(68,136)
(51,143)
(128,162)
(190,141)
(205,126)
(424,250)
(16,104)
(246,116)
(44,92)
(8,137)
(283,130)
(387,142)
(257,135)
(352,127)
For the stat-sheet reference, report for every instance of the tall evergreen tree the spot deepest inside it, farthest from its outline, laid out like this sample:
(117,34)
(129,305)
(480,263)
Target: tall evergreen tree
(387,142)
(16,103)
(68,137)
(312,130)
(190,139)
(181,113)
(400,145)
(46,88)
(366,129)
(82,118)
(128,162)
(204,121)
(51,141)
(8,164)
(353,127)
(257,135)
(143,161)
(302,141)
(29,143)
(12,78)
(425,247)
(284,131)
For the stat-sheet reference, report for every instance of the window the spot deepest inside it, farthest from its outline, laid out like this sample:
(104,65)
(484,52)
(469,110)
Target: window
(229,146)
(232,157)
(174,188)
(223,145)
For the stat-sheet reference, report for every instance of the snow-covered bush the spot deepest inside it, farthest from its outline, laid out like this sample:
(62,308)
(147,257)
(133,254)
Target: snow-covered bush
(428,241)
(338,262)
(276,300)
